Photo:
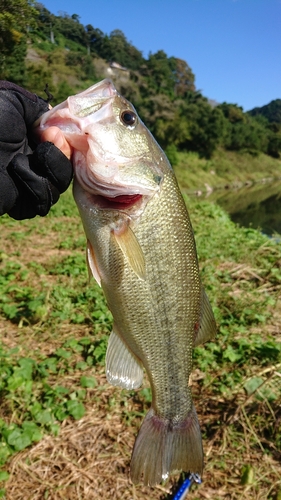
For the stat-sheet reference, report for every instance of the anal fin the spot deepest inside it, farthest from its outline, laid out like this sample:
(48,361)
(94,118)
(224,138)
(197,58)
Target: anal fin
(207,326)
(123,369)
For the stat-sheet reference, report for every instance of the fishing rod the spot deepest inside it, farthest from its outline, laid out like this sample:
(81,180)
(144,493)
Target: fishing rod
(184,489)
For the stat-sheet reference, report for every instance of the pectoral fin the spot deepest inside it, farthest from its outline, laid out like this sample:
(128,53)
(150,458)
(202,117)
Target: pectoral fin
(207,326)
(92,264)
(122,367)
(131,249)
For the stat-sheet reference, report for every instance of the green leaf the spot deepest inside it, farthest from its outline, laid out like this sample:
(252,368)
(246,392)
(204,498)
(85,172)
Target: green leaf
(15,382)
(4,475)
(247,476)
(61,413)
(50,364)
(85,341)
(5,452)
(27,365)
(146,393)
(18,439)
(231,354)
(55,429)
(251,385)
(32,430)
(10,311)
(60,390)
(62,353)
(76,409)
(88,382)
(81,365)
(43,417)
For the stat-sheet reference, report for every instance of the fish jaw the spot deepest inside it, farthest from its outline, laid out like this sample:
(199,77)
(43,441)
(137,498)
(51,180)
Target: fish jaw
(74,114)
(86,103)
(105,179)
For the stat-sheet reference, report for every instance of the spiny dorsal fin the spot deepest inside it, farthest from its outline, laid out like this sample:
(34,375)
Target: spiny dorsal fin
(207,328)
(131,249)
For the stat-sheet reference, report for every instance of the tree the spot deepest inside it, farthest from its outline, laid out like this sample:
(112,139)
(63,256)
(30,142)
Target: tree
(16,16)
(94,39)
(45,20)
(274,145)
(271,111)
(242,131)
(70,27)
(232,112)
(116,47)
(206,127)
(184,78)
(159,72)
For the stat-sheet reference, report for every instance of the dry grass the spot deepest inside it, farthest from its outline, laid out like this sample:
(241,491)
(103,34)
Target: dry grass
(90,458)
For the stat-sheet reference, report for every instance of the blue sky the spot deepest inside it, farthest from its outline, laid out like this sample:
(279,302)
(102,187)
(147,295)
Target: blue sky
(232,46)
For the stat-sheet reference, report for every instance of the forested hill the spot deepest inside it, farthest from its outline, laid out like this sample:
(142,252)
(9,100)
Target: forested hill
(37,47)
(271,111)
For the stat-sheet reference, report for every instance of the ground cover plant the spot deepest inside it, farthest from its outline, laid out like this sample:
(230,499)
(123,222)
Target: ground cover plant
(65,433)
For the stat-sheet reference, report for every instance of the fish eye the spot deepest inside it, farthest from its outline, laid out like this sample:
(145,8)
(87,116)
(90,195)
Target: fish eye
(128,117)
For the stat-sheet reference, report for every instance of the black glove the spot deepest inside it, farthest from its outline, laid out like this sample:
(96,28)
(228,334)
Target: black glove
(32,176)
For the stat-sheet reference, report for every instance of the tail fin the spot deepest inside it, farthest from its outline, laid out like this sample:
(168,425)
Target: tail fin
(162,446)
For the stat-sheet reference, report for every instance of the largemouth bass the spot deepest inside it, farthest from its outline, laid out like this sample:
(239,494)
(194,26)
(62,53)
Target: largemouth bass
(141,250)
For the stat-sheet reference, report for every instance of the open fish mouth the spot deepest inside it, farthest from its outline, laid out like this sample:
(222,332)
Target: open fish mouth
(122,202)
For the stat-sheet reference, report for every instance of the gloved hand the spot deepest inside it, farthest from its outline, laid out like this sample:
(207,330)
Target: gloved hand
(32,176)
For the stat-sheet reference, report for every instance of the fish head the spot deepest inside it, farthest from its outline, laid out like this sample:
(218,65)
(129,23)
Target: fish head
(123,159)
(115,156)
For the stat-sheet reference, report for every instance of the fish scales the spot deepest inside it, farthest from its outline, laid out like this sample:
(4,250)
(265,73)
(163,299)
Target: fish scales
(142,252)
(160,306)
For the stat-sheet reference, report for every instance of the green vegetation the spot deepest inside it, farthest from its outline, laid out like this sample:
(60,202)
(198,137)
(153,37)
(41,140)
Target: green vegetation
(54,329)
(37,47)
(271,111)
(224,169)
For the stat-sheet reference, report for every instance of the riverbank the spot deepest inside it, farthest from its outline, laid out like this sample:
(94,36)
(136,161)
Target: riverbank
(58,415)
(227,169)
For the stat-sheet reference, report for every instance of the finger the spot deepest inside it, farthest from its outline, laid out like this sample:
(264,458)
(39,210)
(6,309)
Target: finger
(55,135)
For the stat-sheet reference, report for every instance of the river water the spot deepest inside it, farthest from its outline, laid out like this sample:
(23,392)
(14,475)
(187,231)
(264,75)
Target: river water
(257,206)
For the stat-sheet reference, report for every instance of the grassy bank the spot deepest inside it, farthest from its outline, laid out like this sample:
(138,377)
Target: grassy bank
(225,169)
(65,433)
